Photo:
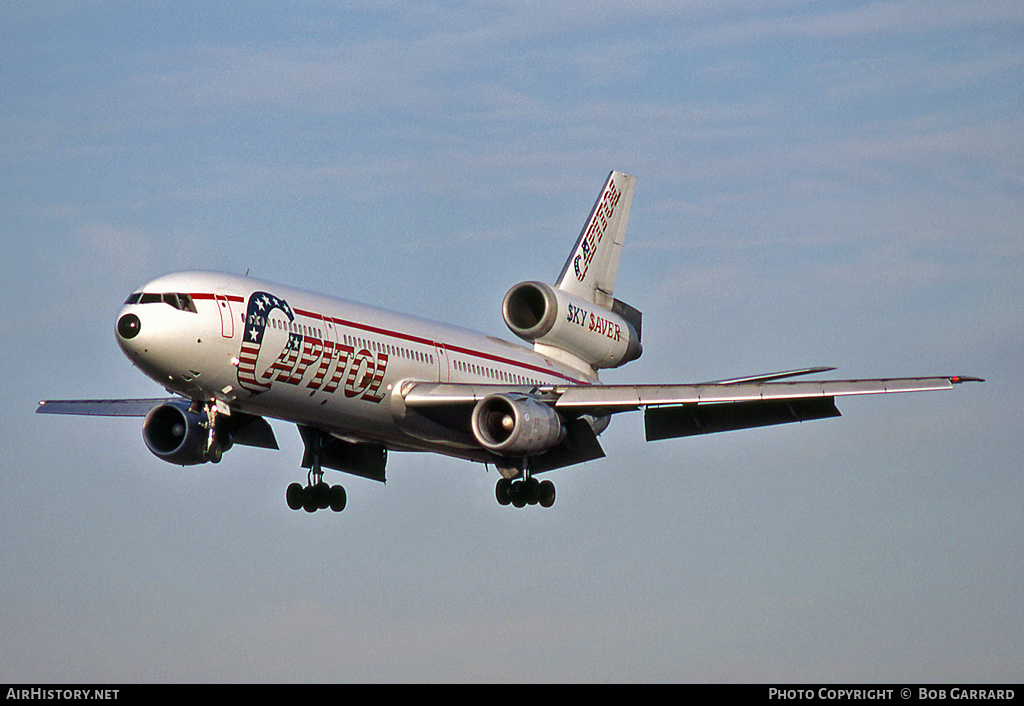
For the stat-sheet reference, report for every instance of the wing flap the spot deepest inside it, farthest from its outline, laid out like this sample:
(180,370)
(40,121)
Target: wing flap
(580,445)
(674,421)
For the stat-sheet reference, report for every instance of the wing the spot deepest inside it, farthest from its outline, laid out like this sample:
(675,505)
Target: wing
(689,409)
(103,408)
(673,411)
(618,398)
(610,399)
(245,429)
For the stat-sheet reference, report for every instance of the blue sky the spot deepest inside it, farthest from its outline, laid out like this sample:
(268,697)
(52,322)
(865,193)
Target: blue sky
(818,184)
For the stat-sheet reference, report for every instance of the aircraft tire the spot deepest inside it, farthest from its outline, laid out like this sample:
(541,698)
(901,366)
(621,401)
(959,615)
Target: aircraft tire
(310,501)
(531,491)
(215,453)
(546,494)
(294,496)
(518,494)
(321,493)
(337,498)
(503,491)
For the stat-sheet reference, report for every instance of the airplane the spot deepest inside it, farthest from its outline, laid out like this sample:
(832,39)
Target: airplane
(360,382)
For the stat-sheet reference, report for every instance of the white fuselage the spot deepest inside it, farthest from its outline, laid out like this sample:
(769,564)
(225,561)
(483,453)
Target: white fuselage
(280,352)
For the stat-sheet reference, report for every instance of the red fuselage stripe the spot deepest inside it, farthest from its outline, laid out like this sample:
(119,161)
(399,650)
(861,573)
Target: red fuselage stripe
(403,336)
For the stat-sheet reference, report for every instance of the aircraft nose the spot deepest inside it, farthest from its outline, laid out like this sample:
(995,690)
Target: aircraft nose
(128,326)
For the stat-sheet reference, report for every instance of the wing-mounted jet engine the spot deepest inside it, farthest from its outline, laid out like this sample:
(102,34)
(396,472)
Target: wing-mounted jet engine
(516,425)
(187,433)
(175,433)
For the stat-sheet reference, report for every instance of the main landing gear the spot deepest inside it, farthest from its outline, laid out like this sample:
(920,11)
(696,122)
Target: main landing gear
(528,491)
(316,495)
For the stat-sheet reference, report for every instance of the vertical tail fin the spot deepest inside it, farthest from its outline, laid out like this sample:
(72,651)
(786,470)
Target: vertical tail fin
(578,321)
(590,271)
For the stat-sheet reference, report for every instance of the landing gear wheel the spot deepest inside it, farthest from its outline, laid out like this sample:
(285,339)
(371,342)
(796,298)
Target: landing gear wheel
(547,494)
(294,496)
(518,494)
(337,498)
(322,494)
(215,453)
(503,491)
(531,491)
(309,501)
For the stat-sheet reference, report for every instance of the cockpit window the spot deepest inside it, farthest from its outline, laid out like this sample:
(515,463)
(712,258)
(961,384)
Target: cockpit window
(180,301)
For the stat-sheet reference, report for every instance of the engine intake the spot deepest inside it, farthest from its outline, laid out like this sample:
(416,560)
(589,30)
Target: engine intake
(601,338)
(514,425)
(176,435)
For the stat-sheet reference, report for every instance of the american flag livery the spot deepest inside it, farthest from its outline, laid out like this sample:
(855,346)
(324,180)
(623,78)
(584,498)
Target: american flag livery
(261,304)
(373,375)
(595,229)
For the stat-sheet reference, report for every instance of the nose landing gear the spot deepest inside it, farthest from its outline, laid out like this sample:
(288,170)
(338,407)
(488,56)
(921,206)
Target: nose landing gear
(218,438)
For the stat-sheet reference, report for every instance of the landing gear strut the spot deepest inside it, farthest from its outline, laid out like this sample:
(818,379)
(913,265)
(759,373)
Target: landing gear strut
(218,440)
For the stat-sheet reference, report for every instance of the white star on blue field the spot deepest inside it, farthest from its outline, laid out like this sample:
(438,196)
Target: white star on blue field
(817,184)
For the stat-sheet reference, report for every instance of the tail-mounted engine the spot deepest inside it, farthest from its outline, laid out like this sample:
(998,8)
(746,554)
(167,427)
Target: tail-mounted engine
(176,434)
(542,314)
(516,425)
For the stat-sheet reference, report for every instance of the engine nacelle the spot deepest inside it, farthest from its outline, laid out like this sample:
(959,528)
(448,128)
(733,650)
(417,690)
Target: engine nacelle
(540,313)
(516,425)
(175,434)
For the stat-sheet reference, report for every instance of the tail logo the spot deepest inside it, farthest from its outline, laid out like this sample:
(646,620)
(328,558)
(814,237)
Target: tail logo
(595,230)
